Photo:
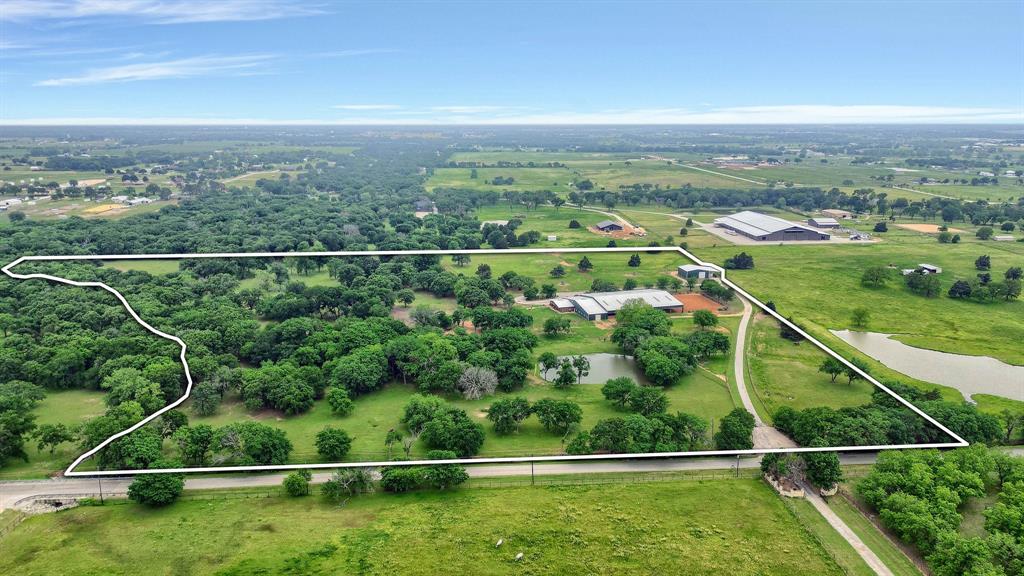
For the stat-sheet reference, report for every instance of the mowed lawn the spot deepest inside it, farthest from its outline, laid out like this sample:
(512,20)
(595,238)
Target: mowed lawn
(68,407)
(657,528)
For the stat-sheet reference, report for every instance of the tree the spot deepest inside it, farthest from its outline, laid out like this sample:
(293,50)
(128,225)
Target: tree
(566,374)
(1013,273)
(333,444)
(852,372)
(405,296)
(126,384)
(665,359)
(477,382)
(735,431)
(983,262)
(547,361)
(452,429)
(157,489)
(945,237)
(555,326)
(832,367)
(881,227)
(347,482)
(875,277)
(460,260)
(363,370)
(558,416)
(741,261)
(444,476)
(860,317)
(558,271)
(548,290)
(582,366)
(822,469)
(584,265)
(619,390)
(960,289)
(923,284)
(206,398)
(339,401)
(400,479)
(508,413)
(297,483)
(634,261)
(648,400)
(194,443)
(16,217)
(705,319)
(984,233)
(247,443)
(52,435)
(574,224)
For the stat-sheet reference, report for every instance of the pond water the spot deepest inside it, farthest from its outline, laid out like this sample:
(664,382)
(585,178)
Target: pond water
(604,367)
(968,374)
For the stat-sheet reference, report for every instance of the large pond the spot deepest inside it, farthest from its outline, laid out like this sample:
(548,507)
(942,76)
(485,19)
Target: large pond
(604,367)
(968,374)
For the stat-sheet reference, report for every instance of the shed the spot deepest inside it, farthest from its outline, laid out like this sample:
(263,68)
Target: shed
(696,271)
(823,222)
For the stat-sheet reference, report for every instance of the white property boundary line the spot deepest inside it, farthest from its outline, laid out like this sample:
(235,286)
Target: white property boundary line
(959,442)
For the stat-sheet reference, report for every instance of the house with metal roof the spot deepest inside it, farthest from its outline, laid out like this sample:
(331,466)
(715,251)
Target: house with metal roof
(763,227)
(608,226)
(602,305)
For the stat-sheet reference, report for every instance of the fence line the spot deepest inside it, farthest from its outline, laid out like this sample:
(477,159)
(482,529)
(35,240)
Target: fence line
(10,526)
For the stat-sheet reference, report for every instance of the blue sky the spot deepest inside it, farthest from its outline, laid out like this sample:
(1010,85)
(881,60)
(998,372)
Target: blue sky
(282,61)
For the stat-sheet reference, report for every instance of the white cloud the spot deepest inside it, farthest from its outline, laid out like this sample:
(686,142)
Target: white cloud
(353,52)
(795,114)
(156,11)
(363,107)
(181,68)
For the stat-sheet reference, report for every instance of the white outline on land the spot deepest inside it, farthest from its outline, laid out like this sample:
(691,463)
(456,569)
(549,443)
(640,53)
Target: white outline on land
(960,442)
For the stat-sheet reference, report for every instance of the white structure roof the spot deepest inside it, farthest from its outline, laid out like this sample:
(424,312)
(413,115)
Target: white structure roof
(696,268)
(604,302)
(561,302)
(825,221)
(757,224)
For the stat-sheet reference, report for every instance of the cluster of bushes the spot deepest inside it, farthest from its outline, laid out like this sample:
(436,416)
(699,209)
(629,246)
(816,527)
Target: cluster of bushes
(442,426)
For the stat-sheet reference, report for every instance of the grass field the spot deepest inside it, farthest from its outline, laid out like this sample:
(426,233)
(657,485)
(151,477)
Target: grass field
(783,373)
(68,407)
(659,528)
(58,209)
(818,528)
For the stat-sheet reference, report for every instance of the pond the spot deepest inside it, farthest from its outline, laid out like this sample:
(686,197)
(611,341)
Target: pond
(604,367)
(968,374)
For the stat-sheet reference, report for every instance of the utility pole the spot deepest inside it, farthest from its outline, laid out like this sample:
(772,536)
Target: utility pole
(100,480)
(532,479)
(737,465)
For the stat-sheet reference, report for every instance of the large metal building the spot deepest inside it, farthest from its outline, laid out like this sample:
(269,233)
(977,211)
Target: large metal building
(768,228)
(601,305)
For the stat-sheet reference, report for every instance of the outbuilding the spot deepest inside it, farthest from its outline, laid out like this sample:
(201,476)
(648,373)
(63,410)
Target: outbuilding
(602,305)
(561,305)
(823,222)
(608,226)
(696,271)
(765,228)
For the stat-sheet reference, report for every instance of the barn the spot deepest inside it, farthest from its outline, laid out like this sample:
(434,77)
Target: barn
(602,305)
(765,228)
(696,271)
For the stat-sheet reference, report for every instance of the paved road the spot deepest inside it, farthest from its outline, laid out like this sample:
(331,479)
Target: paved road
(11,492)
(870,558)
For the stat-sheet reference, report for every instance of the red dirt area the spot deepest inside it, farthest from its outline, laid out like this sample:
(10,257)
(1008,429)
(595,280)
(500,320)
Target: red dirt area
(693,302)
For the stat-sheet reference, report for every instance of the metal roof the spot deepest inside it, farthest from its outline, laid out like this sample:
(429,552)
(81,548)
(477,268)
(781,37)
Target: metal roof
(820,220)
(605,302)
(606,223)
(757,224)
(696,268)
(561,302)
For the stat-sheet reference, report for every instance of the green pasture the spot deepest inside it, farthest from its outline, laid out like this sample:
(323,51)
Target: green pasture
(656,528)
(68,407)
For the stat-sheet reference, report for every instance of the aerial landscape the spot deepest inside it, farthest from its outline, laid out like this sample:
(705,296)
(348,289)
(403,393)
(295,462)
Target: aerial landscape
(277,302)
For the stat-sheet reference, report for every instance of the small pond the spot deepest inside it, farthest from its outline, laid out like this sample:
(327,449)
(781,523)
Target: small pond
(604,367)
(968,374)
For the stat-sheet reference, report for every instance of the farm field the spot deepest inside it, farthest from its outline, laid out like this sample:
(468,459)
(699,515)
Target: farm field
(57,209)
(565,529)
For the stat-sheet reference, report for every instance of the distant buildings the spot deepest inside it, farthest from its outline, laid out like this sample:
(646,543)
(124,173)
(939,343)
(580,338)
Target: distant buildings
(923,269)
(763,227)
(602,305)
(838,214)
(1003,238)
(696,271)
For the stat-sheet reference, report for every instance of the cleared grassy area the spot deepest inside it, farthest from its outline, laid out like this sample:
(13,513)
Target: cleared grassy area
(659,528)
(68,407)
(607,266)
(154,267)
(886,551)
(58,209)
(784,373)
(547,220)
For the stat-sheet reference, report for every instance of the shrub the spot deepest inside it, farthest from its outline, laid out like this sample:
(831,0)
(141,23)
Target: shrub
(333,444)
(297,483)
(157,489)
(400,478)
(339,401)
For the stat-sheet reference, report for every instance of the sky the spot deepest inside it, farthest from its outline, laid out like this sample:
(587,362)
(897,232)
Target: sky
(323,62)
